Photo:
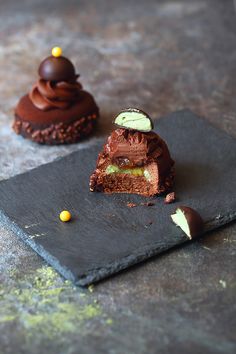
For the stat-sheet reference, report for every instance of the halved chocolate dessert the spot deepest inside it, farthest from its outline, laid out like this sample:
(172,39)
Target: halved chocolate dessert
(134,159)
(57,110)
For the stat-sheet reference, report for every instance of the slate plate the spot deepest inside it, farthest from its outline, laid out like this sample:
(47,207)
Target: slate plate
(106,236)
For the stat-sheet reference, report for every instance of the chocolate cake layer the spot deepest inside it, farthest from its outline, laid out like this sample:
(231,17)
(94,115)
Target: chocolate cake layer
(133,162)
(128,183)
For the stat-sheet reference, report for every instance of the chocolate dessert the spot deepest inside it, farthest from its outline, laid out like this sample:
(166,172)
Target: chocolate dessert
(57,110)
(134,159)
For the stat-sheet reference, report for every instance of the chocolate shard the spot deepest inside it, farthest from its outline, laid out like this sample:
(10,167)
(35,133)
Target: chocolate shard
(170,198)
(189,221)
(134,119)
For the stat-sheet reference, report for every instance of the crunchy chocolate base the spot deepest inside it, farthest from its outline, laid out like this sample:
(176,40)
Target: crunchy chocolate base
(126,183)
(57,133)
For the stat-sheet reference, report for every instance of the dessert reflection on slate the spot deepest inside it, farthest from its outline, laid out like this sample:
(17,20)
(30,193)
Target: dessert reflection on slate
(57,110)
(134,159)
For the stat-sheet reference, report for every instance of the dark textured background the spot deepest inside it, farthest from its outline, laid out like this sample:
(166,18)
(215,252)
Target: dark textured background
(183,55)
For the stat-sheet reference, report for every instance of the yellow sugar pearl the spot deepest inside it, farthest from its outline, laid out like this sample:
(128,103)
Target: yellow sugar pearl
(56,52)
(65,216)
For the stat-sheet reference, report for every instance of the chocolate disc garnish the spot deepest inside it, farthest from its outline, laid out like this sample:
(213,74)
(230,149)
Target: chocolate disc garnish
(188,220)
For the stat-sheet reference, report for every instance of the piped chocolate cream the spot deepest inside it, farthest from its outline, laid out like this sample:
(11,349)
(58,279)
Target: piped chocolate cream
(57,86)
(133,162)
(46,95)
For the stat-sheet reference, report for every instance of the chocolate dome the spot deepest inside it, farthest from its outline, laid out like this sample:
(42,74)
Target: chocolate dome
(57,69)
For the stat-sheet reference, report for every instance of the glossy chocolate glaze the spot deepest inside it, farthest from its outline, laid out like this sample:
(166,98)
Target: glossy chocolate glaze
(57,69)
(28,112)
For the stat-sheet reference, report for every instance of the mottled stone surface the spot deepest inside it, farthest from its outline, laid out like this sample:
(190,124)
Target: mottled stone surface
(160,56)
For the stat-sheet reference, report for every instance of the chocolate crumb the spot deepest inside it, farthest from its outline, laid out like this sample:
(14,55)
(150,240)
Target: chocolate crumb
(131,205)
(170,198)
(147,204)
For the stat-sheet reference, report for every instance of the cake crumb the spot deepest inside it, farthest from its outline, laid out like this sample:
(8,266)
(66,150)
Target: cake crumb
(170,198)
(131,205)
(147,204)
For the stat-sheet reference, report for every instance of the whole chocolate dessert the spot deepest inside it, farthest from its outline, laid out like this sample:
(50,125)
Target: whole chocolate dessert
(57,110)
(134,159)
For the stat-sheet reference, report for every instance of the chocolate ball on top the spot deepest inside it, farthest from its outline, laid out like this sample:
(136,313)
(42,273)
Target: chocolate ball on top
(57,110)
(134,159)
(57,67)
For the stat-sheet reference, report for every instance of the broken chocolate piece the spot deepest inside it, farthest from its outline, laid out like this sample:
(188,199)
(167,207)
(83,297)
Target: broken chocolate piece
(134,119)
(147,204)
(170,198)
(188,220)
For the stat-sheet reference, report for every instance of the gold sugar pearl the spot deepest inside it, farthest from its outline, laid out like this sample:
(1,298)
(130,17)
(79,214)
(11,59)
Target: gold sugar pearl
(65,216)
(56,52)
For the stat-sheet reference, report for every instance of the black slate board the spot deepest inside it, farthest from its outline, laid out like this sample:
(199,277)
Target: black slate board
(105,235)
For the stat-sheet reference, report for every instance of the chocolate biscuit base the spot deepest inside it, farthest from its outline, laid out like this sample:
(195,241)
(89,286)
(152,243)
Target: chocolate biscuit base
(56,126)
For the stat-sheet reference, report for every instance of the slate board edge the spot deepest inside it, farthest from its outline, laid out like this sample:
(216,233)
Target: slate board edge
(90,144)
(97,274)
(12,226)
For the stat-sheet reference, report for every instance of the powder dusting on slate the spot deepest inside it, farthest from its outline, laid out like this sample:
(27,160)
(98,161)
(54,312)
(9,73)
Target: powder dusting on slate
(41,304)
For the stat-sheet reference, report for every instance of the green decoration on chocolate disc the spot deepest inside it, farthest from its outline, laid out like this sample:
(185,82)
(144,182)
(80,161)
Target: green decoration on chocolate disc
(134,119)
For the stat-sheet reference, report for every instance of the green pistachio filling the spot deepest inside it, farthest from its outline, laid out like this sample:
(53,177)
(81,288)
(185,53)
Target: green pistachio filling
(136,171)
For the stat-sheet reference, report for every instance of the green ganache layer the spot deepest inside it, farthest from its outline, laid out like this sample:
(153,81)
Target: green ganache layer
(136,171)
